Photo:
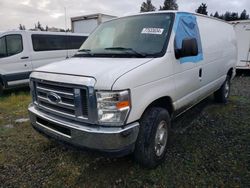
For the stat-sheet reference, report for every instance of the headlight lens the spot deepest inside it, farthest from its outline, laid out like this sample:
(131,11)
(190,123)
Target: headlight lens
(113,107)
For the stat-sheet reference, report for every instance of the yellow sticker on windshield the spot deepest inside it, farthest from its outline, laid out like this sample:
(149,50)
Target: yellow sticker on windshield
(152,31)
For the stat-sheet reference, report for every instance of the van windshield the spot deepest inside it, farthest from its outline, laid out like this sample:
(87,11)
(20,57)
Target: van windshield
(134,36)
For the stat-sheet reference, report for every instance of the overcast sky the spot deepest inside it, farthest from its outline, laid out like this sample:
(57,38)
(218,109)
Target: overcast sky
(51,12)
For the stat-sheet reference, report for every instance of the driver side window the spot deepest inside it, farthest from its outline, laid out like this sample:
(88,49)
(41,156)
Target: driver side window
(10,45)
(187,29)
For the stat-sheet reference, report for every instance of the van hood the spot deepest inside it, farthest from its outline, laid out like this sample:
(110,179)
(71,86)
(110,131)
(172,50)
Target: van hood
(105,70)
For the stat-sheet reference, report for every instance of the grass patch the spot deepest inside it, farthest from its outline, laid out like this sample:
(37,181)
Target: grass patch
(13,106)
(209,148)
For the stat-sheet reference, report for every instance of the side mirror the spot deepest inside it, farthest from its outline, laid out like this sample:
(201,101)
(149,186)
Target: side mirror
(189,48)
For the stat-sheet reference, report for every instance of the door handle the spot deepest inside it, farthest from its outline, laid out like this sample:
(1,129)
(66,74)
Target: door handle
(200,72)
(25,57)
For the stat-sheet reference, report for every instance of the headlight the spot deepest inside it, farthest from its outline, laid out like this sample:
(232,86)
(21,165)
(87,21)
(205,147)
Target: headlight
(113,107)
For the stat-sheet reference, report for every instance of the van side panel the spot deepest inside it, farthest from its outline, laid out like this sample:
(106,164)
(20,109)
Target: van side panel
(219,50)
(45,57)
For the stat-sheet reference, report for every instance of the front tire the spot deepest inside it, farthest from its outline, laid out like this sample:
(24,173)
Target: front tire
(223,93)
(151,144)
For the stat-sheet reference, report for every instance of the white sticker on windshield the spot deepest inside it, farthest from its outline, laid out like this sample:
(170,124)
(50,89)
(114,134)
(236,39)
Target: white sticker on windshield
(153,31)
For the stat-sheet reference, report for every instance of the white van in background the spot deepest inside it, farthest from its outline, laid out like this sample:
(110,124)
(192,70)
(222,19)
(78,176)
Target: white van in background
(23,51)
(242,30)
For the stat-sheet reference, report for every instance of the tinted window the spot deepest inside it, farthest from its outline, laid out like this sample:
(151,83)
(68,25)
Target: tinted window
(56,42)
(10,45)
(48,42)
(3,51)
(75,41)
(14,44)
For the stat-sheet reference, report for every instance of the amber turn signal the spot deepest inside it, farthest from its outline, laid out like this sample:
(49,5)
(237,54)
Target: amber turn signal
(122,104)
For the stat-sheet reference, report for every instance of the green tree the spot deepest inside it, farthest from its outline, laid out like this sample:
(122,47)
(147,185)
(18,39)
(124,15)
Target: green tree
(21,27)
(221,16)
(202,9)
(39,26)
(234,16)
(147,6)
(244,15)
(216,15)
(169,5)
(227,16)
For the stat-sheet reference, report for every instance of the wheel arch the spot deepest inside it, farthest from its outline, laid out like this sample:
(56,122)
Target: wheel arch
(231,72)
(163,102)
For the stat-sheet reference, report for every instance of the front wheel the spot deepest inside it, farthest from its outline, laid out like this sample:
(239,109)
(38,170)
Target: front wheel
(151,144)
(223,93)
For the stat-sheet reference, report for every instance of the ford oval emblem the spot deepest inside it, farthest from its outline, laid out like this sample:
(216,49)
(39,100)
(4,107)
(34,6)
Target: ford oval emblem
(54,98)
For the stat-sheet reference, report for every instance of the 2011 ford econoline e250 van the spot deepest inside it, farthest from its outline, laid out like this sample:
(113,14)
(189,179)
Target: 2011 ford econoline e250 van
(23,51)
(130,78)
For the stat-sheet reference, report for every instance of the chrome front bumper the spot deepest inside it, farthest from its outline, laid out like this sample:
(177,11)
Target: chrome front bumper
(90,136)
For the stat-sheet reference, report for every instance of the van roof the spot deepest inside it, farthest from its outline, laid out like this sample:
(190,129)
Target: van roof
(169,11)
(174,11)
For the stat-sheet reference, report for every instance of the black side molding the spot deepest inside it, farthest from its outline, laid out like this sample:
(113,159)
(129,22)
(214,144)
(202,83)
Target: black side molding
(14,77)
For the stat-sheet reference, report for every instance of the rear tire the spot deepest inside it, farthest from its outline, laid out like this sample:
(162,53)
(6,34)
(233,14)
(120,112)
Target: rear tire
(223,93)
(151,144)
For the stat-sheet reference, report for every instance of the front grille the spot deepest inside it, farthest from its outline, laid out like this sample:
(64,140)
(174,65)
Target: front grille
(72,99)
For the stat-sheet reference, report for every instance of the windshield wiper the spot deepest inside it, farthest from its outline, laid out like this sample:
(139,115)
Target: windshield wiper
(84,50)
(87,51)
(127,49)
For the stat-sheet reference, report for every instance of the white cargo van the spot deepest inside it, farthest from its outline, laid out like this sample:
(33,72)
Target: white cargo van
(23,51)
(242,30)
(130,78)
